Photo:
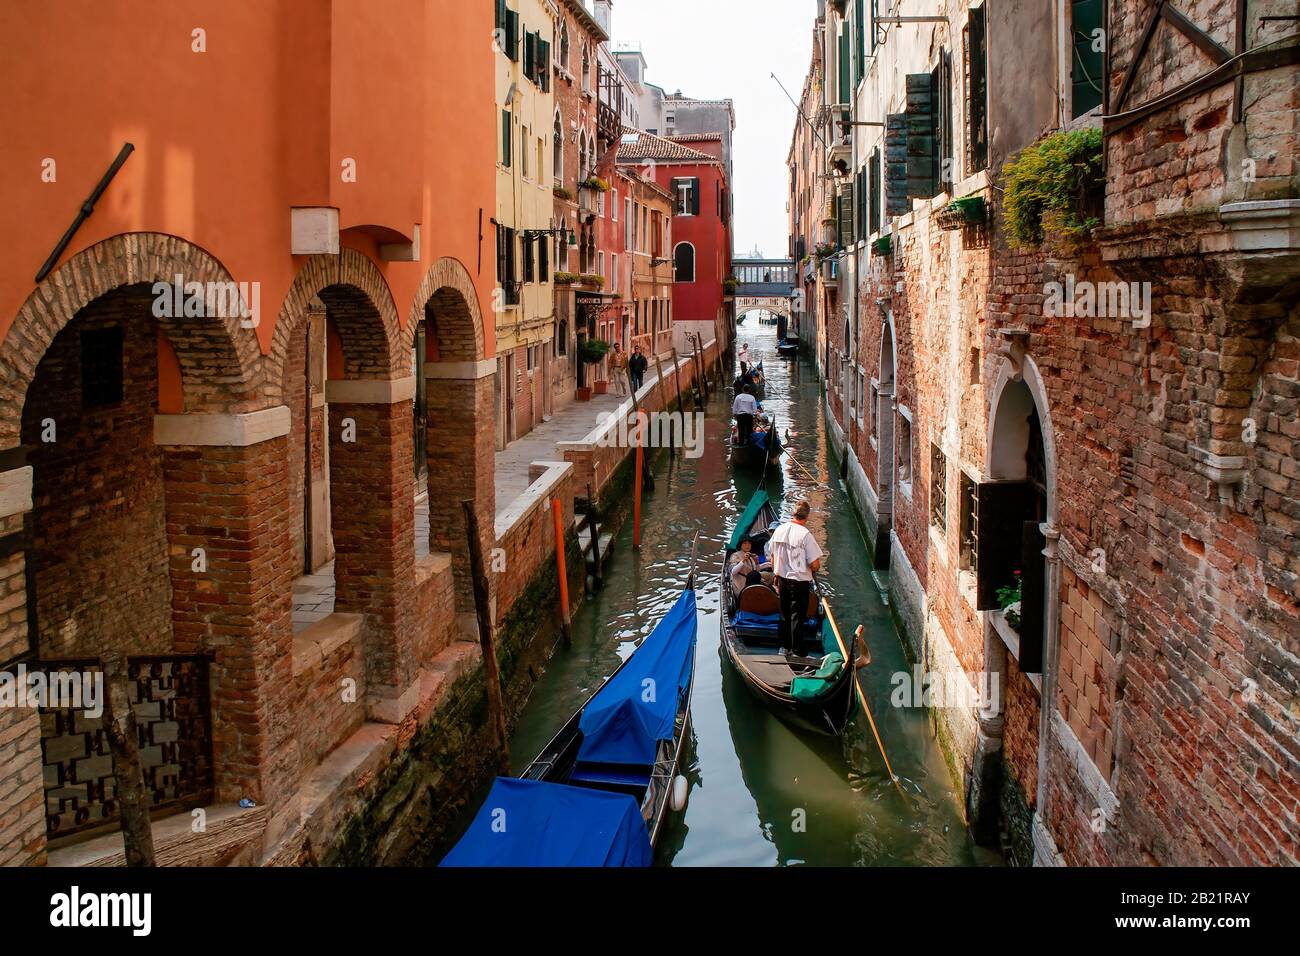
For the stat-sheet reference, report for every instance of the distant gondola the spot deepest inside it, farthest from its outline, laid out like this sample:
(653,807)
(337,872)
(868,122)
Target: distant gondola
(598,793)
(787,348)
(812,691)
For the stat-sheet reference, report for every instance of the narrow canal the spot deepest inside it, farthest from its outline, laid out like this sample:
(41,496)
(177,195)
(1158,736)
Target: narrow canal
(761,793)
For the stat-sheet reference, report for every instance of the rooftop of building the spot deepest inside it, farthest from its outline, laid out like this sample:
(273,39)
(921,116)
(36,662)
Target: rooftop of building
(659,148)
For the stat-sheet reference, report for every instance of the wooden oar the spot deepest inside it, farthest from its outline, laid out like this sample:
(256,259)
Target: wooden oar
(790,455)
(862,699)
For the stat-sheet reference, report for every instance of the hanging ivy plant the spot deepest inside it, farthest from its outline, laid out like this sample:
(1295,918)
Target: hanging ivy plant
(1053,187)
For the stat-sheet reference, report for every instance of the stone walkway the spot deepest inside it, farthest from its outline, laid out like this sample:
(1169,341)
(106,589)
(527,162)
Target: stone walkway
(571,423)
(313,594)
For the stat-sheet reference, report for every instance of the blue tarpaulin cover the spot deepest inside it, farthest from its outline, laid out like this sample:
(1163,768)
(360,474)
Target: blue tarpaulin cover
(636,709)
(748,518)
(531,823)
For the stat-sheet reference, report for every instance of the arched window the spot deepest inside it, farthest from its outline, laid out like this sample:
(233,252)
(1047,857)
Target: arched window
(684,262)
(586,68)
(557,148)
(564,45)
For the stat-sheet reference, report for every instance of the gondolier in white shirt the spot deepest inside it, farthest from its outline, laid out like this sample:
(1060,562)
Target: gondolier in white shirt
(744,358)
(796,557)
(744,408)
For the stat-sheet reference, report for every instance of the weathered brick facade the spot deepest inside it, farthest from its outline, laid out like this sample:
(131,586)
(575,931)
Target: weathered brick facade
(1169,451)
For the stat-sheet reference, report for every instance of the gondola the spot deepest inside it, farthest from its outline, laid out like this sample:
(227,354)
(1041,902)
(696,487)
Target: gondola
(599,792)
(812,691)
(753,456)
(787,348)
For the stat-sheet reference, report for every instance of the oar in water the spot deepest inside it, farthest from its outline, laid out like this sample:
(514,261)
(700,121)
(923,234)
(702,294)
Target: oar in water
(862,698)
(789,454)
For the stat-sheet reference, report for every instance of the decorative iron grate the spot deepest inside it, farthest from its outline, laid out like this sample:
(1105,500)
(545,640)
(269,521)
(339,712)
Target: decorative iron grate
(174,733)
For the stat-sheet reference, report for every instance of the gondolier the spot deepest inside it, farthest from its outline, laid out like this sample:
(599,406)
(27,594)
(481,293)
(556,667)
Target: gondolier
(744,408)
(744,358)
(796,557)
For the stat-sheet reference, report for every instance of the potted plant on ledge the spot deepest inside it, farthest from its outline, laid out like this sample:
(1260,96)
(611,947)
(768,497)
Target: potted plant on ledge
(1009,600)
(592,352)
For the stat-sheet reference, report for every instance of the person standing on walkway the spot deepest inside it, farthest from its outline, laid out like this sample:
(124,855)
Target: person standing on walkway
(744,358)
(796,557)
(637,364)
(618,368)
(744,408)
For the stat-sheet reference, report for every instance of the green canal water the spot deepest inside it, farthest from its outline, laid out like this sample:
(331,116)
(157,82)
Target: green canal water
(761,793)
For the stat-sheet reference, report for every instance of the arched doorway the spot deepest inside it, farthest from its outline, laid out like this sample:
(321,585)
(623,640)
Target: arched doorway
(136,405)
(1012,507)
(459,382)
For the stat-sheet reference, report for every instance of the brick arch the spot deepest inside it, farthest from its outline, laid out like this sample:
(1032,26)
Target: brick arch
(220,360)
(352,288)
(448,297)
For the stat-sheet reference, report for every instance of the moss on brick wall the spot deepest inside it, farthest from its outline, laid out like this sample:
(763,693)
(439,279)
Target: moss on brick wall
(1017,823)
(405,817)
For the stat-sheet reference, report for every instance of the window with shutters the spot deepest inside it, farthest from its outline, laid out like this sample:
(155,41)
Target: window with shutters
(613,266)
(945,160)
(512,35)
(966,522)
(528,260)
(543,260)
(975,55)
(1087,55)
(102,367)
(895,171)
(860,196)
(507,150)
(860,46)
(846,215)
(684,262)
(506,264)
(938,489)
(922,148)
(903,451)
(873,192)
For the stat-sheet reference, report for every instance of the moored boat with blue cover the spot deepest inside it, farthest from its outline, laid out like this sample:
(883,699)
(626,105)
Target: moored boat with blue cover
(613,763)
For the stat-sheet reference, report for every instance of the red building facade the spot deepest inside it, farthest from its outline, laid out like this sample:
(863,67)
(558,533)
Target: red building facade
(695,177)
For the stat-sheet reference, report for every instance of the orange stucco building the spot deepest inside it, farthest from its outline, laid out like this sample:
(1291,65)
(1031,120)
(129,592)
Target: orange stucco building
(232,497)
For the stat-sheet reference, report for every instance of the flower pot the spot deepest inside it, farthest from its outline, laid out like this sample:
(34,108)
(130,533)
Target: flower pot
(602,388)
(584,393)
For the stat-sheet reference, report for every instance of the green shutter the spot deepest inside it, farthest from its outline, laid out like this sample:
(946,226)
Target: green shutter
(860,28)
(846,90)
(921,147)
(1087,64)
(846,216)
(507,153)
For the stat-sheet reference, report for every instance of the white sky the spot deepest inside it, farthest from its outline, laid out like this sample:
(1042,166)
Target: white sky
(714,49)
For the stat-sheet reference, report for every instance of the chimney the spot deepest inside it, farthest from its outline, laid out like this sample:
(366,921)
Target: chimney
(603,11)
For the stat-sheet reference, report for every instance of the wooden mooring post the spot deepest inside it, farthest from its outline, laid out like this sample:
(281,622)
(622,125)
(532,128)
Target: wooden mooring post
(128,771)
(486,638)
(561,569)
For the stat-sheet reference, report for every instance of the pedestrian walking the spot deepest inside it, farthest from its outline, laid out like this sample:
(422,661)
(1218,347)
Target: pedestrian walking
(637,365)
(618,365)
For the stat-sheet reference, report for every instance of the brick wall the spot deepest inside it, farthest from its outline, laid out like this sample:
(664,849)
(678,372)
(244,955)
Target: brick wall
(101,547)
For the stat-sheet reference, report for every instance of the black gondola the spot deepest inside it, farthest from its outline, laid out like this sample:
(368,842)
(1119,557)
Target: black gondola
(753,456)
(618,743)
(812,691)
(787,348)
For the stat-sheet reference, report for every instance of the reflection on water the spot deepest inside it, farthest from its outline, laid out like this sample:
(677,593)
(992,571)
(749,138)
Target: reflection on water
(761,793)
